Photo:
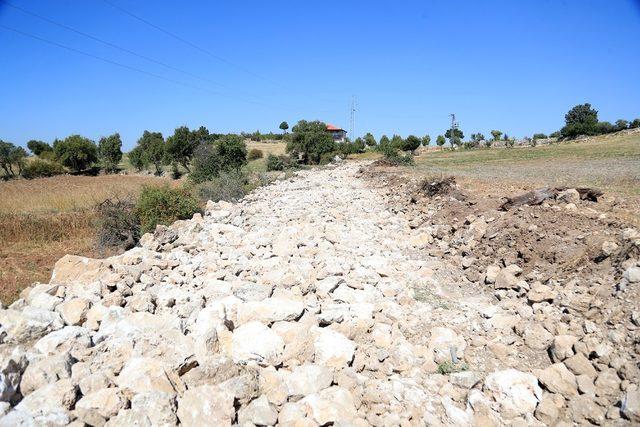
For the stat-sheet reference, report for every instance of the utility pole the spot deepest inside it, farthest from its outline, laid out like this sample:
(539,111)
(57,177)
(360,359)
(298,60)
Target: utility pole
(352,118)
(454,126)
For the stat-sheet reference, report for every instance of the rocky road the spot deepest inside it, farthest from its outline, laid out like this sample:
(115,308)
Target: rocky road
(311,302)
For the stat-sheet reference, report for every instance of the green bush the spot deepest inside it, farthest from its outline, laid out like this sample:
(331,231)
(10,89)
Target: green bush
(229,186)
(327,158)
(76,152)
(38,168)
(255,154)
(164,205)
(110,152)
(274,163)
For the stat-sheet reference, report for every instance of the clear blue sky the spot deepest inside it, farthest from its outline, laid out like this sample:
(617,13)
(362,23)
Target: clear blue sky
(517,66)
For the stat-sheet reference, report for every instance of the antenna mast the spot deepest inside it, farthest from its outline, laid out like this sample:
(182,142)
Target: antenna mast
(352,119)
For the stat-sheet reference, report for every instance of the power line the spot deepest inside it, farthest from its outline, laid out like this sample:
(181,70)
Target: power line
(192,45)
(123,49)
(118,64)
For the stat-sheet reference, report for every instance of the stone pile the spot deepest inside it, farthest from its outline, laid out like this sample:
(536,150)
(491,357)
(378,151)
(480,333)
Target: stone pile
(311,302)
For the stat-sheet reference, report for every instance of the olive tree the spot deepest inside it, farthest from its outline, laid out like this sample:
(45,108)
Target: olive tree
(310,140)
(110,152)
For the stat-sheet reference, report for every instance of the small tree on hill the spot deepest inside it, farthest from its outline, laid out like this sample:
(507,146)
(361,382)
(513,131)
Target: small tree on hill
(384,141)
(180,146)
(370,140)
(539,136)
(38,147)
(226,154)
(580,120)
(496,134)
(137,158)
(411,143)
(634,124)
(11,156)
(311,140)
(397,142)
(284,126)
(110,152)
(622,124)
(76,152)
(153,150)
(426,140)
(457,137)
(440,140)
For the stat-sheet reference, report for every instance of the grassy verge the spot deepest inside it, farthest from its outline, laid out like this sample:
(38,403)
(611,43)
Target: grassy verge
(41,220)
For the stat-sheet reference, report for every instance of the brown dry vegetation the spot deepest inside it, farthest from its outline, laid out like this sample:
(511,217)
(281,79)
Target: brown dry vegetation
(41,220)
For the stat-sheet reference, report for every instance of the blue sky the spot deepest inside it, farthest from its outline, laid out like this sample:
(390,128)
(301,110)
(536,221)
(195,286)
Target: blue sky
(517,66)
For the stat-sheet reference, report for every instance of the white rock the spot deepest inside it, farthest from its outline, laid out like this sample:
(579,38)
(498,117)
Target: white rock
(255,342)
(206,405)
(308,379)
(332,349)
(517,393)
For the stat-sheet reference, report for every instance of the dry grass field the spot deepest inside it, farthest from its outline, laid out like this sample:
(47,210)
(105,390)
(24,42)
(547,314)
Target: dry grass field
(41,220)
(611,163)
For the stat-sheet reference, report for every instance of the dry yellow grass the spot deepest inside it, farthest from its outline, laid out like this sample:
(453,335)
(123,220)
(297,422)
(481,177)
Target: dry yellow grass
(275,148)
(41,220)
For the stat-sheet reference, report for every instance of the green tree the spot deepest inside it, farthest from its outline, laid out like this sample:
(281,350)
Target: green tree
(76,152)
(397,142)
(604,128)
(580,120)
(227,153)
(153,150)
(180,146)
(476,139)
(359,145)
(440,140)
(284,126)
(311,140)
(384,141)
(426,140)
(622,124)
(137,158)
(38,147)
(370,140)
(496,134)
(457,137)
(539,136)
(11,156)
(110,152)
(411,143)
(634,124)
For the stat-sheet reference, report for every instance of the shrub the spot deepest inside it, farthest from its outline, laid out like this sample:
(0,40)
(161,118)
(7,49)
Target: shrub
(229,186)
(38,168)
(622,124)
(118,224)
(311,140)
(274,163)
(634,124)
(110,152)
(327,158)
(164,205)
(603,128)
(539,136)
(254,154)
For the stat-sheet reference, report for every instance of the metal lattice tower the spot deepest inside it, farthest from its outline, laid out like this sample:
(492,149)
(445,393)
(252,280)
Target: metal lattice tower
(352,118)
